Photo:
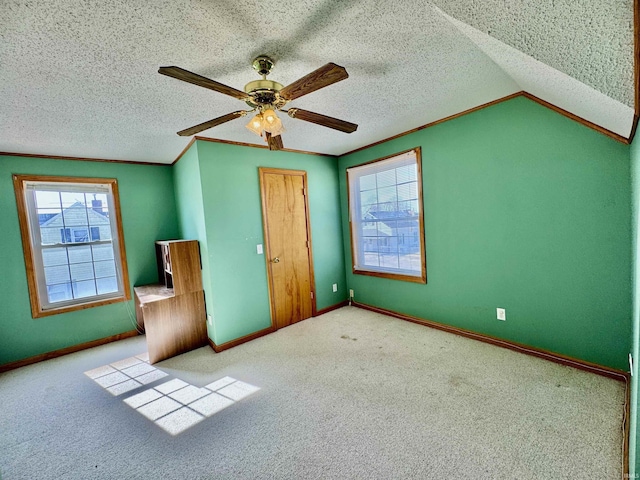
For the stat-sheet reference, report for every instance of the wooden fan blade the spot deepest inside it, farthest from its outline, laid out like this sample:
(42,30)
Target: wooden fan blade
(320,78)
(323,120)
(211,123)
(190,77)
(275,143)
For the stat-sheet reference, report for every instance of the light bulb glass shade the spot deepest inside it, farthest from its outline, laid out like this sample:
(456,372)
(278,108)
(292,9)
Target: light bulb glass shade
(276,129)
(272,123)
(255,125)
(270,117)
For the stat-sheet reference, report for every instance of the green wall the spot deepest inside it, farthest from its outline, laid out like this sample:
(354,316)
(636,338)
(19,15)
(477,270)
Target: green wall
(148,214)
(188,192)
(238,299)
(634,441)
(525,210)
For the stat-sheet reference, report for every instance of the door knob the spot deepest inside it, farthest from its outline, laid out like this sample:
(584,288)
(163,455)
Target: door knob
(276,260)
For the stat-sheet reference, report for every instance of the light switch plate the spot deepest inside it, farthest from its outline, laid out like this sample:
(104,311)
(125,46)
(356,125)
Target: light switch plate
(501,313)
(259,249)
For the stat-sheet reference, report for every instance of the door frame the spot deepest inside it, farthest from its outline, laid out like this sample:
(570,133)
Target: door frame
(262,171)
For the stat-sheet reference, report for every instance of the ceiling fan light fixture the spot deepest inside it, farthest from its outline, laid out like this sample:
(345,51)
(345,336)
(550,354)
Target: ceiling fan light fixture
(269,116)
(276,129)
(271,123)
(255,124)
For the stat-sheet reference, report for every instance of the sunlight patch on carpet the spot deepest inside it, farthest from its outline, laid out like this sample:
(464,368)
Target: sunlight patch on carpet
(174,405)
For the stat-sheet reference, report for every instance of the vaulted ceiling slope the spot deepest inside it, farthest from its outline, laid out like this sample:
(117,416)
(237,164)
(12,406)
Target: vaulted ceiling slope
(80,78)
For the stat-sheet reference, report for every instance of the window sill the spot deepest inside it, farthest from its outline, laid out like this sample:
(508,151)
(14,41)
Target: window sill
(37,312)
(392,276)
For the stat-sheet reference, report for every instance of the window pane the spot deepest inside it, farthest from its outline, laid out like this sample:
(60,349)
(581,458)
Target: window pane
(99,208)
(51,236)
(95,234)
(366,213)
(387,194)
(81,271)
(48,216)
(54,275)
(371,259)
(406,173)
(367,182)
(54,256)
(386,178)
(391,228)
(70,199)
(80,254)
(48,200)
(370,229)
(105,269)
(387,245)
(102,252)
(75,215)
(368,197)
(409,207)
(107,285)
(84,289)
(389,261)
(59,293)
(408,191)
(410,262)
(384,229)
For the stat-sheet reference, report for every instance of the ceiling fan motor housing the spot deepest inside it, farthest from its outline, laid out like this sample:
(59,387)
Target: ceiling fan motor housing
(264,92)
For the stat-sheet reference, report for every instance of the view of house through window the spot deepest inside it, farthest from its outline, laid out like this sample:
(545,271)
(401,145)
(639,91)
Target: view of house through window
(385,202)
(73,241)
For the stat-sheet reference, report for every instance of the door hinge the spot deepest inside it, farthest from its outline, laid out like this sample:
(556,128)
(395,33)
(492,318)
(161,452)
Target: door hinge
(307,243)
(311,294)
(304,192)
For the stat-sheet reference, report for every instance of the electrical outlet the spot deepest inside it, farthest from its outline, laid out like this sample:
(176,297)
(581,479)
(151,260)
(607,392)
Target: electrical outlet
(501,313)
(335,287)
(351,293)
(209,320)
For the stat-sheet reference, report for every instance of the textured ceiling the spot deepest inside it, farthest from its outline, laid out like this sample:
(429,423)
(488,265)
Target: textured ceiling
(79,78)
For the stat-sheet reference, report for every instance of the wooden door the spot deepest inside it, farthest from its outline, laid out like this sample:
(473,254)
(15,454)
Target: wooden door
(285,214)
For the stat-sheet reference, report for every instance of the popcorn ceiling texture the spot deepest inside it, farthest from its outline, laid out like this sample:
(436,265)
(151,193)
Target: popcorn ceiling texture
(552,85)
(589,40)
(80,78)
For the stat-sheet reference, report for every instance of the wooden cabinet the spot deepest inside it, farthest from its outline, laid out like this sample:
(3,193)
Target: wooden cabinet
(172,312)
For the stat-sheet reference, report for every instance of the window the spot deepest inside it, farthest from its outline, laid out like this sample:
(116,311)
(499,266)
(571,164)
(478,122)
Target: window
(72,241)
(385,214)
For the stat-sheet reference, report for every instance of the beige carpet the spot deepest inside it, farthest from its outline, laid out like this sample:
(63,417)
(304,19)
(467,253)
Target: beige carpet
(350,394)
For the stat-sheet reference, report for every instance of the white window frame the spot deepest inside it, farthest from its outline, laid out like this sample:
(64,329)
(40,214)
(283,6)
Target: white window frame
(356,222)
(25,187)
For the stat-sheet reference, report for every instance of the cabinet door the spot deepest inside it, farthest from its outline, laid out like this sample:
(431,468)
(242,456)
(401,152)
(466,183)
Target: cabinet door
(175,325)
(160,329)
(185,263)
(189,320)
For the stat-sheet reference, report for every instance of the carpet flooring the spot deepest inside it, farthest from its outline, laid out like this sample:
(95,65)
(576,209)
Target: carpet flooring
(350,394)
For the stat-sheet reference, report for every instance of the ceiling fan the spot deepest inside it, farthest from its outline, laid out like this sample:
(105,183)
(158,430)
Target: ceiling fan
(266,97)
